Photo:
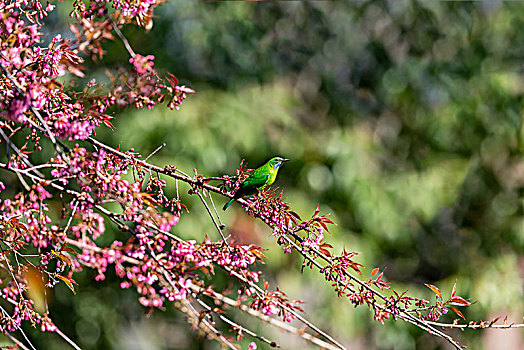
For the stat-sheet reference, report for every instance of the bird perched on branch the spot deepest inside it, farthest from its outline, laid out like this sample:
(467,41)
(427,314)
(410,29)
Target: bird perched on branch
(258,179)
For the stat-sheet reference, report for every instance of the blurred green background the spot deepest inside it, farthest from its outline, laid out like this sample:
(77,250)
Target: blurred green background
(403,119)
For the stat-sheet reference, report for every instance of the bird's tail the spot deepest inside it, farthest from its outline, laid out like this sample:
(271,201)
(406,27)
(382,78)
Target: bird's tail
(228,204)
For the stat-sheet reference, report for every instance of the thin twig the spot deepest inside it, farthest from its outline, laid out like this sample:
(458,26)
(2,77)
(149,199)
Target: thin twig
(17,326)
(71,217)
(40,166)
(205,322)
(291,311)
(273,321)
(156,150)
(212,218)
(121,36)
(201,321)
(58,331)
(222,226)
(17,150)
(480,325)
(67,339)
(236,326)
(16,341)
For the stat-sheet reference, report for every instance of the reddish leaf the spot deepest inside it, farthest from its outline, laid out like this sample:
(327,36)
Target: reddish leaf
(76,71)
(148,199)
(172,80)
(109,125)
(326,220)
(65,259)
(456,300)
(457,311)
(454,289)
(258,254)
(17,225)
(68,250)
(324,251)
(294,215)
(374,272)
(495,320)
(62,257)
(434,289)
(69,281)
(380,276)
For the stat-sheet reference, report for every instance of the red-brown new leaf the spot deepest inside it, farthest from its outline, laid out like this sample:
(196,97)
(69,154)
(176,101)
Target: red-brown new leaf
(374,272)
(434,289)
(328,221)
(109,124)
(457,311)
(456,300)
(324,251)
(69,282)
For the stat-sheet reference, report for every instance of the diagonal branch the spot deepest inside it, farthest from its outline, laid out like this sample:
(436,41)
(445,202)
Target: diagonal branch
(195,182)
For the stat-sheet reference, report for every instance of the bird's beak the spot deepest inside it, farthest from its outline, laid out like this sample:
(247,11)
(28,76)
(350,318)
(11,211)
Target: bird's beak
(285,160)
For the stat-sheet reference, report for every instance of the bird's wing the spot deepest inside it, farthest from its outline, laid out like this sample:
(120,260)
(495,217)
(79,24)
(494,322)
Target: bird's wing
(257,179)
(251,184)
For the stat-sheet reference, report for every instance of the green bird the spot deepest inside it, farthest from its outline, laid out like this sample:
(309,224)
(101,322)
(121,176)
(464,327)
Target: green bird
(258,179)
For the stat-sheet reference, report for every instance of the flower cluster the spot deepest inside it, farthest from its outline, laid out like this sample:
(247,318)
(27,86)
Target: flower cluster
(35,229)
(138,9)
(32,85)
(275,302)
(142,64)
(168,275)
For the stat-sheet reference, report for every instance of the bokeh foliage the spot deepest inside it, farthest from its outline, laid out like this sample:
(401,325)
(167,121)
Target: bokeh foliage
(403,119)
